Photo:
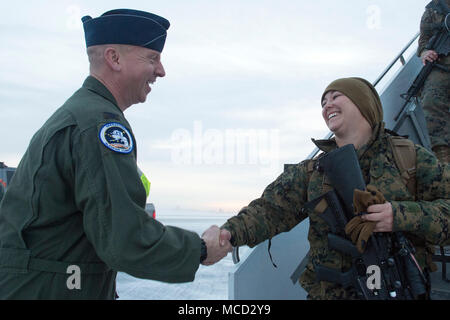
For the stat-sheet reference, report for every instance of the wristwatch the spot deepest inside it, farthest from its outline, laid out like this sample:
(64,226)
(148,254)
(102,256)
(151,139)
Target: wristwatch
(203,251)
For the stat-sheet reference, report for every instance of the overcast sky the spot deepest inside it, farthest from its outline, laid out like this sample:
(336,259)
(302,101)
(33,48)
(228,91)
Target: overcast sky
(241,95)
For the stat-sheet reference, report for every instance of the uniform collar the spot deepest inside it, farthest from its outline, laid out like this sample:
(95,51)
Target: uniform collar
(371,148)
(328,145)
(94,85)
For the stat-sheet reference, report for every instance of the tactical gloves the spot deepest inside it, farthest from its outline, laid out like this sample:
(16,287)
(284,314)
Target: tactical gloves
(357,229)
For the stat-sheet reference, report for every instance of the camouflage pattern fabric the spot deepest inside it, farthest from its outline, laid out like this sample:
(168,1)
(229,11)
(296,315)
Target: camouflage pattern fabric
(435,100)
(435,95)
(442,153)
(280,208)
(430,18)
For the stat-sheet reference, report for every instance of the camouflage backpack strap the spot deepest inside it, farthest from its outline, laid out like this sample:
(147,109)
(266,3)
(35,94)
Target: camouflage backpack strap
(404,152)
(405,157)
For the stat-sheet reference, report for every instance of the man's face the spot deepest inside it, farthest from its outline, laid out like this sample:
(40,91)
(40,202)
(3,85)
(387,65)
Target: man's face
(341,115)
(141,67)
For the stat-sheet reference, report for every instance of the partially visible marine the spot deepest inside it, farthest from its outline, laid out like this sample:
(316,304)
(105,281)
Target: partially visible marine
(435,93)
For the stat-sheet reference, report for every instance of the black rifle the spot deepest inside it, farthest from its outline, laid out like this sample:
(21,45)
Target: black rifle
(391,253)
(440,43)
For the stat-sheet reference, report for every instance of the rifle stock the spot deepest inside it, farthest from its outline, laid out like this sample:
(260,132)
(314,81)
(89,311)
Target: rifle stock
(341,167)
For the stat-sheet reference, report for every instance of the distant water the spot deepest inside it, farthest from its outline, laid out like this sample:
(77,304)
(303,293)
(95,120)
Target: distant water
(211,283)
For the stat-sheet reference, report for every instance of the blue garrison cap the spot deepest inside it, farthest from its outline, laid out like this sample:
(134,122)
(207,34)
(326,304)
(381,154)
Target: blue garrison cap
(126,26)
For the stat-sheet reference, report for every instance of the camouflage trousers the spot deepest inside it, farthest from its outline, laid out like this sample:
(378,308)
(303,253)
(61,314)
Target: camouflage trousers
(435,100)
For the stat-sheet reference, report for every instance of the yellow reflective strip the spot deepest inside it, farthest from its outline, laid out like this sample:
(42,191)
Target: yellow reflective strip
(146,184)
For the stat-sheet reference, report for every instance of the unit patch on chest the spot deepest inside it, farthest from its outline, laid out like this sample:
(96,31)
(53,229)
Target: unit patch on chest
(116,137)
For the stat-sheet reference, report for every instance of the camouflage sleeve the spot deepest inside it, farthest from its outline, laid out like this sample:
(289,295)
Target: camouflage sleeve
(426,30)
(276,211)
(429,216)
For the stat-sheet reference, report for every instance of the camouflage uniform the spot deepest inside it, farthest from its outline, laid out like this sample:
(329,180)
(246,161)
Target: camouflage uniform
(435,96)
(280,208)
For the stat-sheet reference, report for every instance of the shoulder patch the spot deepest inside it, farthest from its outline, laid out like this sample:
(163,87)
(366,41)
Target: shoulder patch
(116,137)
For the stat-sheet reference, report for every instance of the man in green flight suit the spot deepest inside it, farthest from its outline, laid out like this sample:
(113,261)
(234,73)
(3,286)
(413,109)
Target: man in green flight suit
(74,214)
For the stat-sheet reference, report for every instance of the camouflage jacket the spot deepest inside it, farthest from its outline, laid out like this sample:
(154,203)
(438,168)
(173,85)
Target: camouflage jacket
(430,19)
(280,208)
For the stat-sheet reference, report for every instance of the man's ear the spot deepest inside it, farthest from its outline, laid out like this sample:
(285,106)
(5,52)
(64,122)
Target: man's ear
(113,58)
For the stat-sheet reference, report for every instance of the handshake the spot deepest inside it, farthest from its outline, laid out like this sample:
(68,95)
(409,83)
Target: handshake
(217,244)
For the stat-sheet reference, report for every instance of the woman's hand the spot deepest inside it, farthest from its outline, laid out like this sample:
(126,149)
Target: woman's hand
(382,215)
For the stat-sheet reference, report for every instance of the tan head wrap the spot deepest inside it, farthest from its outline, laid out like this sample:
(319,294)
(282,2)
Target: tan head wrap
(363,95)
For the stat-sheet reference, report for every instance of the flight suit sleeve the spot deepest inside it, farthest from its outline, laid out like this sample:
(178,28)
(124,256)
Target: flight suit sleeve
(112,198)
(429,216)
(277,210)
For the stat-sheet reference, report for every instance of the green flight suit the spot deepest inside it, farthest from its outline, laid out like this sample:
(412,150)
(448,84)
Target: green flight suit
(75,201)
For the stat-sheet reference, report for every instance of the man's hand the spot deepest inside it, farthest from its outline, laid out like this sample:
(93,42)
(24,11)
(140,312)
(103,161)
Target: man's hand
(215,250)
(382,215)
(429,55)
(225,237)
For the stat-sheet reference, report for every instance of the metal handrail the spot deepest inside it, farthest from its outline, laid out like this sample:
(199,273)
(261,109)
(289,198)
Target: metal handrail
(235,253)
(399,56)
